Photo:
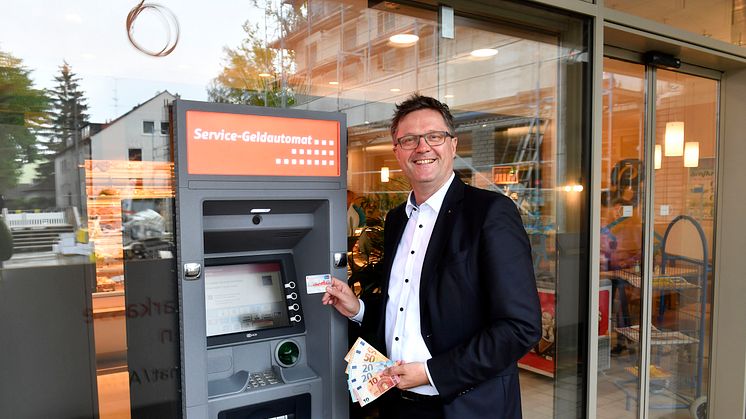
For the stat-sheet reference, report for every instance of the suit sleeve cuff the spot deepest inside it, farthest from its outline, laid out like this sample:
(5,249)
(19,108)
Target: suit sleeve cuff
(429,377)
(358,318)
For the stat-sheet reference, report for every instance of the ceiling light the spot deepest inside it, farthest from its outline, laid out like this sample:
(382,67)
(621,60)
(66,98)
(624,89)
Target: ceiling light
(658,156)
(674,139)
(260,210)
(404,39)
(691,154)
(334,83)
(448,96)
(265,75)
(384,174)
(395,89)
(484,52)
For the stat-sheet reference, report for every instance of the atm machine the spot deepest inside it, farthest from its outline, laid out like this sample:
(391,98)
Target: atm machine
(261,199)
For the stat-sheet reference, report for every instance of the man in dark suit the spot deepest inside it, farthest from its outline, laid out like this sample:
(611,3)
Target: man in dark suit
(460,305)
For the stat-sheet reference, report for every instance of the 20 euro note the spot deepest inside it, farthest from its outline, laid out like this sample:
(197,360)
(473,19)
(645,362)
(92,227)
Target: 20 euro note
(374,387)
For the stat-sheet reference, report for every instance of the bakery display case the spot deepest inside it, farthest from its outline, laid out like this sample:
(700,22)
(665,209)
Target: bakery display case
(116,190)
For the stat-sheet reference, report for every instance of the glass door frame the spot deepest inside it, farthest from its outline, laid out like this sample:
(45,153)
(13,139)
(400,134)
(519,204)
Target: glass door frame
(649,124)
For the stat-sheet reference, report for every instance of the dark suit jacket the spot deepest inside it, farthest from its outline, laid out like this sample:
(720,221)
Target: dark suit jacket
(479,308)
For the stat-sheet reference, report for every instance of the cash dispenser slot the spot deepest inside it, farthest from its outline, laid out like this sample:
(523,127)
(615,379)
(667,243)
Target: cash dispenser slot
(230,226)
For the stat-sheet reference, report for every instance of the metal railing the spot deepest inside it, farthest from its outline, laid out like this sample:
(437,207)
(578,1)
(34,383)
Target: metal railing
(34,220)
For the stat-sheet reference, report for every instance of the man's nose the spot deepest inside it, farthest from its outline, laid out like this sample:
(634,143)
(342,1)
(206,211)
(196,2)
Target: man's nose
(422,145)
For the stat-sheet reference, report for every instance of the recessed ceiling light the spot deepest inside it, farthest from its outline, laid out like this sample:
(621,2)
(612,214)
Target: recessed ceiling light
(484,52)
(395,89)
(265,75)
(260,210)
(404,38)
(334,83)
(448,96)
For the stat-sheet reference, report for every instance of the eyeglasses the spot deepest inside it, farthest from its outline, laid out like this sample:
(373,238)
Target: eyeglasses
(432,138)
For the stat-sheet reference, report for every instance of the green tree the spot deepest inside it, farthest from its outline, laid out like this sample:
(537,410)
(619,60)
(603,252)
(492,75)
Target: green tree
(259,71)
(22,112)
(66,116)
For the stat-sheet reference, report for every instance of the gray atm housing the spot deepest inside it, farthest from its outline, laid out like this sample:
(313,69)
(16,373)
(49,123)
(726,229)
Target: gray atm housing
(307,221)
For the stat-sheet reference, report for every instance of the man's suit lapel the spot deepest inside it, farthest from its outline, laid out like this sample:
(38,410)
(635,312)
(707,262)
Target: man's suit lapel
(442,232)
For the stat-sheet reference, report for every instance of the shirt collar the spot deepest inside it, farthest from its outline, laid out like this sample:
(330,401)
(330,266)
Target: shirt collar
(434,202)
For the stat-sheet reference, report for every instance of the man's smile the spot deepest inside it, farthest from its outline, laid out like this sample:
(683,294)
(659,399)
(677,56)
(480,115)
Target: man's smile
(424,161)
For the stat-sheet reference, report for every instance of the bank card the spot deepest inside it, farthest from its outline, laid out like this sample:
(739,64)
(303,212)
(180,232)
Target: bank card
(316,284)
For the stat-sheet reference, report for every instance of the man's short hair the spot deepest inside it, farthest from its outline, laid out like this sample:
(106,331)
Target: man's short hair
(417,102)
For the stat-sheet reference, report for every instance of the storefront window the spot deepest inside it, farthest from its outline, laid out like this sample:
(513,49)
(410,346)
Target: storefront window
(86,170)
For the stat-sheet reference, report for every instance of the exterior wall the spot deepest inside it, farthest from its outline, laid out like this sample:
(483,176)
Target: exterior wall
(114,142)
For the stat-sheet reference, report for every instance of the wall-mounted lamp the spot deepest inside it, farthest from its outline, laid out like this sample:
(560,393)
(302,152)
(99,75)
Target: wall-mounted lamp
(573,188)
(384,174)
(691,154)
(674,139)
(658,156)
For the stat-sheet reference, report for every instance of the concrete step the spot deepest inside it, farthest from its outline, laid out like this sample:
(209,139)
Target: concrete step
(37,239)
(32,248)
(42,229)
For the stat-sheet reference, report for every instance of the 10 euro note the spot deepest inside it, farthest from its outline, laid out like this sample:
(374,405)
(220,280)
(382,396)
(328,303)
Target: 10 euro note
(374,387)
(360,374)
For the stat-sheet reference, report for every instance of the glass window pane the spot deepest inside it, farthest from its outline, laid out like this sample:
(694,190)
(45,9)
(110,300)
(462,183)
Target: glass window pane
(724,20)
(684,203)
(148,127)
(507,111)
(622,206)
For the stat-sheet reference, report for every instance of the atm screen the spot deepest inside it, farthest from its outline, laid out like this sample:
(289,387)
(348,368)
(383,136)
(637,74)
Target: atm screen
(246,298)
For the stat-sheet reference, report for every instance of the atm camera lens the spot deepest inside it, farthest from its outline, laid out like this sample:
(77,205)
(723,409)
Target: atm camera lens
(256,219)
(288,353)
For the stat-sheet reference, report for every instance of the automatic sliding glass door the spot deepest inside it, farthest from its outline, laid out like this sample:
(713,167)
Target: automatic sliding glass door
(658,204)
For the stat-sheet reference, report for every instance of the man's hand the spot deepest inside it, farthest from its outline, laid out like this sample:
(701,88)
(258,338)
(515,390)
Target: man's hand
(340,295)
(410,375)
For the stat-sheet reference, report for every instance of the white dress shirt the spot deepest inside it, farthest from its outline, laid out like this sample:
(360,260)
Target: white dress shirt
(403,334)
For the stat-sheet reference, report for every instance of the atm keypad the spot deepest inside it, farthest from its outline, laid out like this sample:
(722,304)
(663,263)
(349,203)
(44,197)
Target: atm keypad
(262,379)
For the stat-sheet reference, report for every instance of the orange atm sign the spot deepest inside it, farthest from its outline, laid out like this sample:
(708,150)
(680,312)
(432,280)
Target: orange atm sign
(259,145)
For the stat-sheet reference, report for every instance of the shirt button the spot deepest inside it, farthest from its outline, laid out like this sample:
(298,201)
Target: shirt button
(420,225)
(412,252)
(401,308)
(396,339)
(406,280)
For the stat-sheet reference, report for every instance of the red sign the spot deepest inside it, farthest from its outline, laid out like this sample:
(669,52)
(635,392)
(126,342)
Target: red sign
(540,358)
(258,145)
(505,175)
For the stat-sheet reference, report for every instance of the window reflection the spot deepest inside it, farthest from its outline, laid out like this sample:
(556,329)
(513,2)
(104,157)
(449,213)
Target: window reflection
(724,20)
(112,188)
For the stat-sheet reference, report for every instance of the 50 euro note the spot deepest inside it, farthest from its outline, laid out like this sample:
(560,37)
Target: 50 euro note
(363,353)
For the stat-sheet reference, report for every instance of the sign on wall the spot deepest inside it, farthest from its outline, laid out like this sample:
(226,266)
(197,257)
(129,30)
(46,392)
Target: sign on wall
(259,145)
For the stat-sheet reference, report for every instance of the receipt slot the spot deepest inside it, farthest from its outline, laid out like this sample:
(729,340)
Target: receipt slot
(261,195)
